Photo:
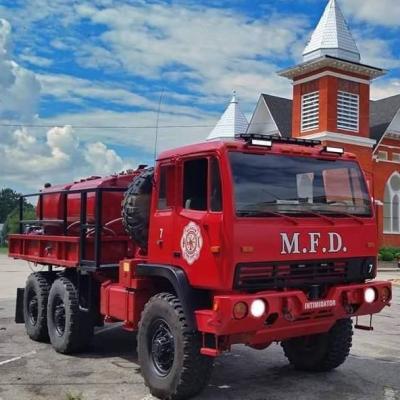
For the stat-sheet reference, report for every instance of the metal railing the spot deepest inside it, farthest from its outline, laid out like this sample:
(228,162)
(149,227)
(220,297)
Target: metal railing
(95,228)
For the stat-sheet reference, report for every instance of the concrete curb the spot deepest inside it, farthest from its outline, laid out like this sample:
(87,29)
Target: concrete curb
(389,270)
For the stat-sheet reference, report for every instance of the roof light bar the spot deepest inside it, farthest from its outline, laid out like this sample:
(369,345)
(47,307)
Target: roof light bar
(251,137)
(259,142)
(334,150)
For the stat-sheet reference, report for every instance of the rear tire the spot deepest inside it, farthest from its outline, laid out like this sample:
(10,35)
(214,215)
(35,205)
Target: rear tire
(35,305)
(322,352)
(70,329)
(169,352)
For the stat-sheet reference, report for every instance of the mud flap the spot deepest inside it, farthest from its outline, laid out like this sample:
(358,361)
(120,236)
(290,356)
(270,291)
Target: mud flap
(19,306)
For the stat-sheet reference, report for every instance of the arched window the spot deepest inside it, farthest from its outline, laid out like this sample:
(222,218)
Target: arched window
(391,207)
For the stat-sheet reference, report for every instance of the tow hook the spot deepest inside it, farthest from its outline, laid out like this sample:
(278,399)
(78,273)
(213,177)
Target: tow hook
(364,327)
(287,310)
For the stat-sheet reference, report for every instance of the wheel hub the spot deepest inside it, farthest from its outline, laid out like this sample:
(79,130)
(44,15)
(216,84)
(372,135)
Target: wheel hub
(59,316)
(33,309)
(162,348)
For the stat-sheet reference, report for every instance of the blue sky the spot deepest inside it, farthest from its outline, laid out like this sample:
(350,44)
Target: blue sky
(68,65)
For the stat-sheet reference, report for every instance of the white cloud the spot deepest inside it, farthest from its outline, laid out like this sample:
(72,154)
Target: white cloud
(385,88)
(377,52)
(36,60)
(76,90)
(29,161)
(202,45)
(20,90)
(62,142)
(102,159)
(30,157)
(382,12)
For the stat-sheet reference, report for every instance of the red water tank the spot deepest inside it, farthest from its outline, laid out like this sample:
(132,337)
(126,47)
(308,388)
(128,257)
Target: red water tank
(53,204)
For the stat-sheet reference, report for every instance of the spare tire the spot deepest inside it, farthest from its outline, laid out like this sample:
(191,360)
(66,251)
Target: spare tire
(136,207)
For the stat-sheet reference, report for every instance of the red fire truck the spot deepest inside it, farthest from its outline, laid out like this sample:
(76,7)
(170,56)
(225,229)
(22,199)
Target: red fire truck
(249,241)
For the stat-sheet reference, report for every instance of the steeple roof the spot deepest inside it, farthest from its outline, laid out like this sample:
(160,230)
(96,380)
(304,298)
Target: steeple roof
(232,122)
(332,37)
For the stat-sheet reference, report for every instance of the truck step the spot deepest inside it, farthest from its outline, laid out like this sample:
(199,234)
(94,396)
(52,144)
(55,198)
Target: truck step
(206,351)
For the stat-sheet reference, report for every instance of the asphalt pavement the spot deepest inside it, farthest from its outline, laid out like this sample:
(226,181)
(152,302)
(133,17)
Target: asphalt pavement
(109,370)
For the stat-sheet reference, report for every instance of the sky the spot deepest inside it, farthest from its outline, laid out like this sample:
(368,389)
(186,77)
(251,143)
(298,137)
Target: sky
(82,83)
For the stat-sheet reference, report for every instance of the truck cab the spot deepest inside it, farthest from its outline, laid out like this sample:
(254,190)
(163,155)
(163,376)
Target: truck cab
(257,214)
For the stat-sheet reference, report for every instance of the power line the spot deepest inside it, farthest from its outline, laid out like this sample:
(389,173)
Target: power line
(104,126)
(116,126)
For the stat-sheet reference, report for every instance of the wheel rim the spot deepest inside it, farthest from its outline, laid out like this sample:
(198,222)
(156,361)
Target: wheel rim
(59,315)
(162,347)
(33,307)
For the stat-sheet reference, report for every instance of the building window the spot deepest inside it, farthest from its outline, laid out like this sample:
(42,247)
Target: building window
(391,206)
(382,155)
(396,157)
(310,111)
(348,111)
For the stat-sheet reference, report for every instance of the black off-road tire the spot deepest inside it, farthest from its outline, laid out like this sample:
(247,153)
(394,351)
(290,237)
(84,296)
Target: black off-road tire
(35,305)
(189,370)
(136,207)
(322,352)
(75,333)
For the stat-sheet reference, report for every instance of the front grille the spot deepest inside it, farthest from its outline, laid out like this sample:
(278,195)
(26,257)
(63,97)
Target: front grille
(259,275)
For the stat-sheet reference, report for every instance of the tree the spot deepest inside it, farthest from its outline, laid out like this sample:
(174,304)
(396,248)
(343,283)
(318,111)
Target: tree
(8,202)
(11,224)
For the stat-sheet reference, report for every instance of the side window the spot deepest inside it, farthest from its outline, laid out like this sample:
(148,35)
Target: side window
(166,189)
(195,184)
(216,191)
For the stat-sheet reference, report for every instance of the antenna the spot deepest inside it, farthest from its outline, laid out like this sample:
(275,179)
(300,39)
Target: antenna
(157,124)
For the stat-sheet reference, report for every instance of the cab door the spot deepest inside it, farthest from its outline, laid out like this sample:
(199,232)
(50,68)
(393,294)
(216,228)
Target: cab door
(198,240)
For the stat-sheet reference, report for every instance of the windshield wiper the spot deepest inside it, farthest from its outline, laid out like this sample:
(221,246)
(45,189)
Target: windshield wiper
(346,214)
(320,215)
(261,213)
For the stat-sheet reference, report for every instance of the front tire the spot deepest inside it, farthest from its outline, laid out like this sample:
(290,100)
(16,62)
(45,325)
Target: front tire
(70,329)
(35,305)
(169,352)
(322,352)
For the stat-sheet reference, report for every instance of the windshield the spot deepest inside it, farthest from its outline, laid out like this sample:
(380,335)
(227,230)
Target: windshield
(265,185)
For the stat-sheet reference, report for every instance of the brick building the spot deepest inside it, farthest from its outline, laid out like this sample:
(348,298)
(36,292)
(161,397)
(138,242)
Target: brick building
(331,102)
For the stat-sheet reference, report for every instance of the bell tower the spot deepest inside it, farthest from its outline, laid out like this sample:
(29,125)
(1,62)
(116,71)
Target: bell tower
(331,87)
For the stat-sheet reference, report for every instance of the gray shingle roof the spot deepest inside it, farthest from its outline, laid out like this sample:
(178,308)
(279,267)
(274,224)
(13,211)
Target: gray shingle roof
(382,113)
(281,111)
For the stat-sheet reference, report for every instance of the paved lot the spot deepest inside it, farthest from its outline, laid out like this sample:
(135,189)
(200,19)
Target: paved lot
(30,370)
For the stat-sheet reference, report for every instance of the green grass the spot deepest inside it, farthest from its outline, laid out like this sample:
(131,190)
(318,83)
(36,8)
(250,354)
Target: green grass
(3,250)
(70,396)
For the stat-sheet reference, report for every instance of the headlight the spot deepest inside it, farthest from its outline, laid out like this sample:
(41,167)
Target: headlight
(257,308)
(369,295)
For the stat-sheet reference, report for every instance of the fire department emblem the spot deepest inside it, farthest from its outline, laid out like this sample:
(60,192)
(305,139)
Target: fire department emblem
(191,242)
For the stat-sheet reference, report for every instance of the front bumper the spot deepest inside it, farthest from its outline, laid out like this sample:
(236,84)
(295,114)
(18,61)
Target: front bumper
(289,314)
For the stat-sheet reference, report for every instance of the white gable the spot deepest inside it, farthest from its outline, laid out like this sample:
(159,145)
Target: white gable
(262,122)
(232,122)
(332,37)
